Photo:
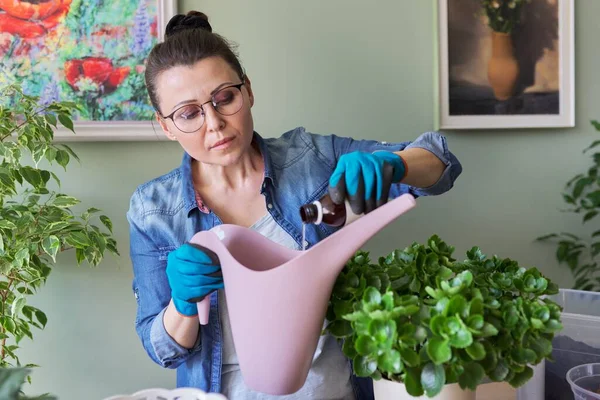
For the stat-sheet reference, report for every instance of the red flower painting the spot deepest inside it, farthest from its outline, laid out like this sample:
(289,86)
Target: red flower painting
(99,70)
(31,19)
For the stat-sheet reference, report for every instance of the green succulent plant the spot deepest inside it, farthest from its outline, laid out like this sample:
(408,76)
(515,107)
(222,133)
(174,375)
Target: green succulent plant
(421,317)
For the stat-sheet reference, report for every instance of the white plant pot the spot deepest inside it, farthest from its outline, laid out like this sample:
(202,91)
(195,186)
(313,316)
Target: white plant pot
(164,394)
(388,390)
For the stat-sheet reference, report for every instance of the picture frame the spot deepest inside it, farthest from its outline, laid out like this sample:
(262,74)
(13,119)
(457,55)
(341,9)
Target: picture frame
(521,78)
(90,53)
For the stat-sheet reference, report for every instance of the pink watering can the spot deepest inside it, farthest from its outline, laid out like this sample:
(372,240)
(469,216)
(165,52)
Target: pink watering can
(277,297)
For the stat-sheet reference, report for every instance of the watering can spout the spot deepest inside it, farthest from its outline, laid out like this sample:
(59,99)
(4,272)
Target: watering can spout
(277,297)
(348,240)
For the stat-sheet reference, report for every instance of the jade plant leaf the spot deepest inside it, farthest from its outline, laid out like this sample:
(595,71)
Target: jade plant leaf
(433,378)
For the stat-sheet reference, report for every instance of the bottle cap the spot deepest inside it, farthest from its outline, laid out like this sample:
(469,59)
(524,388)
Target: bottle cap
(312,213)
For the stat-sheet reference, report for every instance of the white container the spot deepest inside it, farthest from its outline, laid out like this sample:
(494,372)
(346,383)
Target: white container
(585,381)
(578,343)
(164,394)
(388,390)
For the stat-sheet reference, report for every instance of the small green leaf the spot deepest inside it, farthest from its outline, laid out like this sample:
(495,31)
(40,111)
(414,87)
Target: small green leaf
(553,326)
(62,158)
(475,322)
(365,345)
(50,154)
(22,257)
(523,356)
(460,335)
(372,296)
(78,240)
(7,224)
(107,222)
(390,362)
(476,351)
(433,378)
(70,151)
(439,350)
(521,378)
(41,317)
(542,346)
(589,215)
(341,308)
(364,366)
(438,325)
(348,348)
(339,328)
(490,361)
(412,381)
(537,324)
(415,285)
(409,357)
(488,330)
(8,324)
(17,306)
(51,119)
(51,245)
(32,176)
(500,372)
(66,121)
(471,377)
(64,201)
(458,305)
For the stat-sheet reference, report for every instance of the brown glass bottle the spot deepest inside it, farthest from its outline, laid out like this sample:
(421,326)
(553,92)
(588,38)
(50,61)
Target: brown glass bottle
(325,211)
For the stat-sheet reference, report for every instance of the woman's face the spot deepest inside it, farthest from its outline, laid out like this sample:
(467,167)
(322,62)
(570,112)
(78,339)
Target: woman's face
(221,139)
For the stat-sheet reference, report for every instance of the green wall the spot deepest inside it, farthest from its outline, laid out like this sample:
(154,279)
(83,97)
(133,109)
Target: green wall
(319,64)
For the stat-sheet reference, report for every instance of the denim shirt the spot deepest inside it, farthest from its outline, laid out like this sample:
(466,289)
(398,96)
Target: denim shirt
(164,214)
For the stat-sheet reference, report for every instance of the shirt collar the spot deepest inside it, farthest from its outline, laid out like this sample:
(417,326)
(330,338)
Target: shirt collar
(192,198)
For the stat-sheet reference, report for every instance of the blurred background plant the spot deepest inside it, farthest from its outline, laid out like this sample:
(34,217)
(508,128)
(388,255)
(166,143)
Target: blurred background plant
(582,195)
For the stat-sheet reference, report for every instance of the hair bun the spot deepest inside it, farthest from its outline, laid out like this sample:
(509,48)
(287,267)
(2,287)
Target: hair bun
(193,20)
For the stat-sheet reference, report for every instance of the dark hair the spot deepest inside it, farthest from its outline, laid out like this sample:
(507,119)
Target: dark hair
(188,39)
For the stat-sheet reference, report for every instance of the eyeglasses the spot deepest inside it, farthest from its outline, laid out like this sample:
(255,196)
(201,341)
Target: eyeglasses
(190,118)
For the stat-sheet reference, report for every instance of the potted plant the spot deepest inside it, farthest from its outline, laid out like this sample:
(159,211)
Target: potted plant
(502,16)
(582,195)
(37,221)
(419,322)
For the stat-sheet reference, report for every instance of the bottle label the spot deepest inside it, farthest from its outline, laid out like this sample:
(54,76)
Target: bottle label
(350,216)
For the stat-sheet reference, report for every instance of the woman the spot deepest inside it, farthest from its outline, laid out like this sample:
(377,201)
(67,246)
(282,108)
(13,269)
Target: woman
(230,174)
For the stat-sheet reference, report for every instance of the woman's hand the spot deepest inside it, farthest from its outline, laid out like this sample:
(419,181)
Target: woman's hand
(365,178)
(193,272)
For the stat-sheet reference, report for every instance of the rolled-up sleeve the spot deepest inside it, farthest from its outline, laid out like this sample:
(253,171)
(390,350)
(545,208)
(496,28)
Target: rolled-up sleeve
(437,144)
(434,142)
(152,292)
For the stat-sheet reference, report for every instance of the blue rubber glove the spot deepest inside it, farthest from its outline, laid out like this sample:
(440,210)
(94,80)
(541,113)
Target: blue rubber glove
(365,178)
(193,272)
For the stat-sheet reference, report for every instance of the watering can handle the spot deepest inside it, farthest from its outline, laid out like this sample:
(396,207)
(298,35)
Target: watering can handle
(203,310)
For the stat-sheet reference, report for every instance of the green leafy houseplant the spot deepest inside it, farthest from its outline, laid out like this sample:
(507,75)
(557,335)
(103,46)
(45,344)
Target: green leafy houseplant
(582,194)
(36,222)
(420,317)
(502,15)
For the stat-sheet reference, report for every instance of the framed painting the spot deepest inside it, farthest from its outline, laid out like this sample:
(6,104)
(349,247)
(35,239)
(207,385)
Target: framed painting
(91,52)
(505,64)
